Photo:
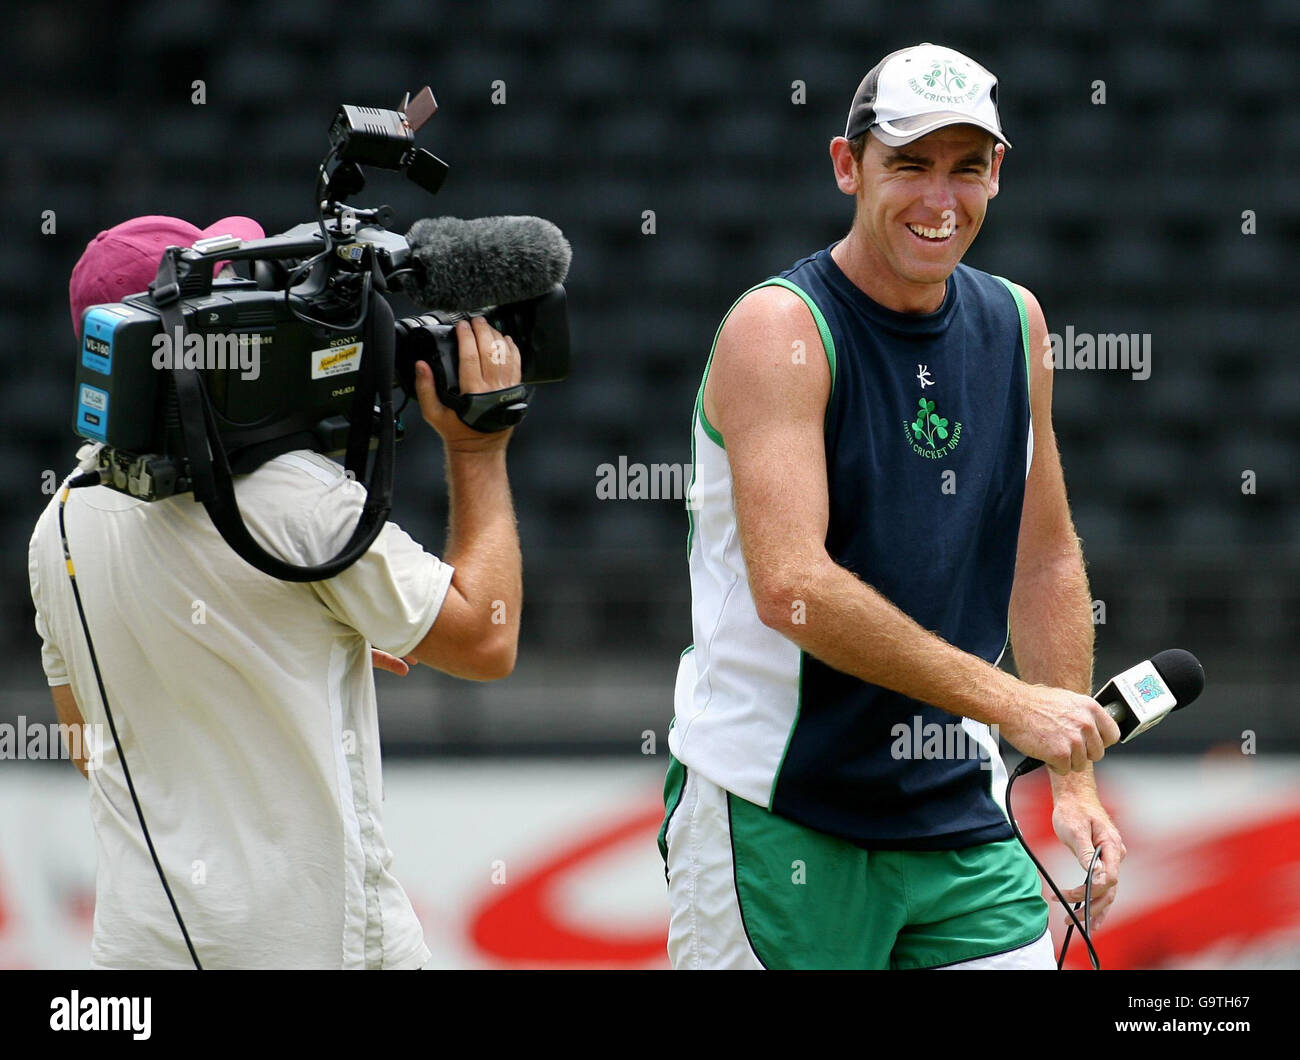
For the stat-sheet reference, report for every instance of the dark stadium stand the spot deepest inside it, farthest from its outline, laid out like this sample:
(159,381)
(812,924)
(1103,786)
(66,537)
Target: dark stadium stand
(1122,218)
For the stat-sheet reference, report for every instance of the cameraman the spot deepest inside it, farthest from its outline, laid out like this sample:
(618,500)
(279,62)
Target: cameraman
(245,705)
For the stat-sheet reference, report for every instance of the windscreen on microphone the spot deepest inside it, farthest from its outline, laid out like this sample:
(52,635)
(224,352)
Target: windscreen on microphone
(1182,672)
(464,265)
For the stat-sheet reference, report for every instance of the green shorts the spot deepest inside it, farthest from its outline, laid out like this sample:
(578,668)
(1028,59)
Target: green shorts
(751,889)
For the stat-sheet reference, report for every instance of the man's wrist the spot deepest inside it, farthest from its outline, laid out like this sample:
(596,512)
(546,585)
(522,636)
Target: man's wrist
(992,697)
(487,445)
(1077,784)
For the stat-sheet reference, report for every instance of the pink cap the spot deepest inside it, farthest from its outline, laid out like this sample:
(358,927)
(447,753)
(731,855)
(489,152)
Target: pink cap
(123,259)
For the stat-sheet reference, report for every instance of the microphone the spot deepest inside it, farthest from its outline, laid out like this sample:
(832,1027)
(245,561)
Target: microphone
(512,270)
(1144,695)
(464,266)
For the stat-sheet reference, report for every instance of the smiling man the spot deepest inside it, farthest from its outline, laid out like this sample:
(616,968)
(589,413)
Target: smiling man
(879,509)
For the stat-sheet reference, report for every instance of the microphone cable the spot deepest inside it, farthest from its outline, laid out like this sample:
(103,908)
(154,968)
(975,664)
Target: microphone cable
(1085,928)
(92,478)
(1087,912)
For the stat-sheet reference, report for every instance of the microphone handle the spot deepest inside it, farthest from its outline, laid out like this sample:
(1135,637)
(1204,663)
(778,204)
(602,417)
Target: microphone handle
(1116,712)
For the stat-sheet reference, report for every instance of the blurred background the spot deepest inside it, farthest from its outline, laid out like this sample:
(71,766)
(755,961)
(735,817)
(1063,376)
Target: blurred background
(1169,209)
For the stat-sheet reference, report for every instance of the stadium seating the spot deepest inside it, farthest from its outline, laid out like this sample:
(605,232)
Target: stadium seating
(1122,217)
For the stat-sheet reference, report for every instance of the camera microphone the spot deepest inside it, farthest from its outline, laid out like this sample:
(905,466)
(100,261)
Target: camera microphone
(466,265)
(1145,694)
(512,270)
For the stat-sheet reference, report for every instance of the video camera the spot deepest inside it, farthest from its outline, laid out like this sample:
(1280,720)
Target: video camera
(198,379)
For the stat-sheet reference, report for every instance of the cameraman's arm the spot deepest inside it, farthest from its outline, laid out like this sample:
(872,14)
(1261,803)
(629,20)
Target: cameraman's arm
(52,660)
(476,633)
(69,714)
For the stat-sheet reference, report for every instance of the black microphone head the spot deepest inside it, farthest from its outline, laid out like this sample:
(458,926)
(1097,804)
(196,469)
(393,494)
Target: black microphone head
(1182,672)
(463,265)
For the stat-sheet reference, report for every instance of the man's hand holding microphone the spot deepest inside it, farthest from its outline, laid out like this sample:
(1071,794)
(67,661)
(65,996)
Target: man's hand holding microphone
(1063,729)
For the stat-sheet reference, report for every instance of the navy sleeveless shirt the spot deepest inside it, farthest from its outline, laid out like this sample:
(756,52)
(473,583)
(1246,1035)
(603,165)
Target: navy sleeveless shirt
(927,447)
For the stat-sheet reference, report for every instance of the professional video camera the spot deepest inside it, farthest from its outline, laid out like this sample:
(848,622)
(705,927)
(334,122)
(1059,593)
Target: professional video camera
(198,379)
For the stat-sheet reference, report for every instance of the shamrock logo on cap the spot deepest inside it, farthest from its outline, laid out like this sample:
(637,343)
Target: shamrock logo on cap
(949,73)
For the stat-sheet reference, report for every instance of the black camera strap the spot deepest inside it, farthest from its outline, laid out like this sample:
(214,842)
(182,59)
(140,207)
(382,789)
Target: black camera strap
(209,466)
(363,402)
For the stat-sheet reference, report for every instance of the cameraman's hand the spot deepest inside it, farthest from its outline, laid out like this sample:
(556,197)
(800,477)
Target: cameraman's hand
(488,361)
(381,660)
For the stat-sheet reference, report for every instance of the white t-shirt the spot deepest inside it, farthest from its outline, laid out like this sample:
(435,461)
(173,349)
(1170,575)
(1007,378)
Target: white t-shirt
(246,710)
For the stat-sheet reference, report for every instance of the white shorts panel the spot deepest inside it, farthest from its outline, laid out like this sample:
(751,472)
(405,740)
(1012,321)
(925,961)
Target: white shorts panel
(705,930)
(1037,956)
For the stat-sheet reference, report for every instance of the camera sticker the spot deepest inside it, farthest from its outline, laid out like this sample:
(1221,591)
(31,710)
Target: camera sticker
(336,360)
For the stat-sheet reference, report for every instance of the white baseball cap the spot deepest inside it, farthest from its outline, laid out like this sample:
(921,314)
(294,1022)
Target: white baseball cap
(914,91)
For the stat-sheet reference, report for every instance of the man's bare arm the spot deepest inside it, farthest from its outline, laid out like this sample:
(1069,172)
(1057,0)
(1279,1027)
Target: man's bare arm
(769,407)
(476,633)
(65,706)
(1051,607)
(1051,625)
